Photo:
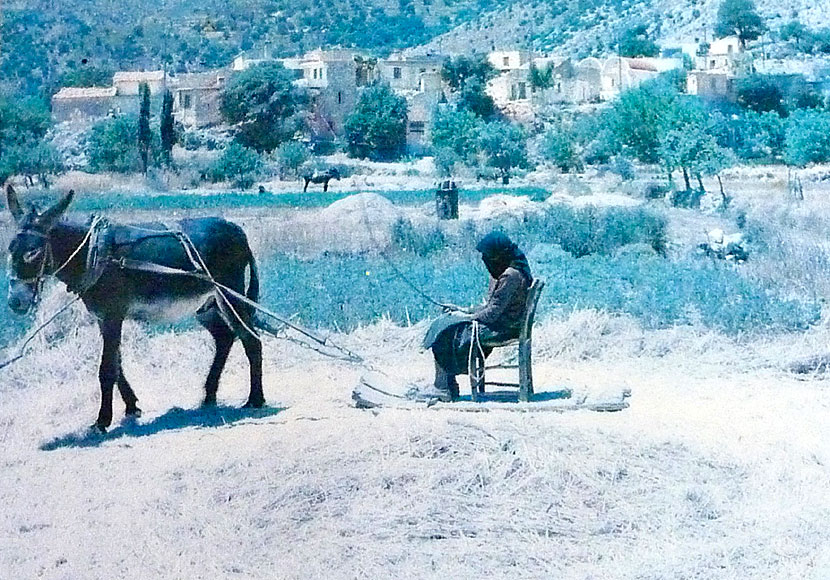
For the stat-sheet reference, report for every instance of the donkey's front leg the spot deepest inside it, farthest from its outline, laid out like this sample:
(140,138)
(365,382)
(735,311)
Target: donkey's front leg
(109,371)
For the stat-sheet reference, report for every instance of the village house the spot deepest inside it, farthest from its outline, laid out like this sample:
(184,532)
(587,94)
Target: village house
(73,103)
(711,84)
(197,97)
(723,54)
(623,73)
(120,98)
(404,73)
(333,79)
(507,60)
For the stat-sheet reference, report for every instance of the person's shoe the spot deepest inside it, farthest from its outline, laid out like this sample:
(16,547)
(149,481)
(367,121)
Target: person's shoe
(431,393)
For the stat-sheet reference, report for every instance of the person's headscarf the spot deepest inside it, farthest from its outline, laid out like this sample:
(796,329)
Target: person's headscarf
(499,253)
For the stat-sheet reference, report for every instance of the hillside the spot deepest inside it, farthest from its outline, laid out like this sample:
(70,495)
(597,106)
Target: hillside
(585,27)
(47,44)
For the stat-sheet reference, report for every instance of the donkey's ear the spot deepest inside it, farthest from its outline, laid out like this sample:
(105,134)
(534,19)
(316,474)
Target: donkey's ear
(50,217)
(14,203)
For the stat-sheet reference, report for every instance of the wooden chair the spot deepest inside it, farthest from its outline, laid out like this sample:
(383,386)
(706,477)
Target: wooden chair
(477,365)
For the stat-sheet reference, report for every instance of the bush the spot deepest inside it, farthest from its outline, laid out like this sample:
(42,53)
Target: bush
(503,146)
(422,242)
(624,168)
(760,93)
(237,164)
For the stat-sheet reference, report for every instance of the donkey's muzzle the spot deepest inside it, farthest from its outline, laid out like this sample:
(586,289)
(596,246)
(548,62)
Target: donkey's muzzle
(22,297)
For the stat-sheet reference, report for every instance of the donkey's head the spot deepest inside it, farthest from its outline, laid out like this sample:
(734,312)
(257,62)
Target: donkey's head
(30,252)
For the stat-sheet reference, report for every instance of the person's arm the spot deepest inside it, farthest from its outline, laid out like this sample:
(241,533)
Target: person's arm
(500,298)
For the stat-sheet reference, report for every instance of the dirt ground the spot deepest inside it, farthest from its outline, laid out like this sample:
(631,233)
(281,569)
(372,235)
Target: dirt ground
(719,469)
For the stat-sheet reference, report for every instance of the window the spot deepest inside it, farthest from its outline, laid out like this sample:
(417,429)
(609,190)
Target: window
(522,90)
(506,61)
(729,49)
(416,127)
(186,103)
(396,72)
(314,72)
(339,98)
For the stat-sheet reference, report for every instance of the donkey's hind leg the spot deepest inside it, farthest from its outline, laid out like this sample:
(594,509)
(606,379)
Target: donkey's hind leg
(241,318)
(223,336)
(127,394)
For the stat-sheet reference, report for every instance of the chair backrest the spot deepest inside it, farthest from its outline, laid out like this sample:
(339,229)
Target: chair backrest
(533,294)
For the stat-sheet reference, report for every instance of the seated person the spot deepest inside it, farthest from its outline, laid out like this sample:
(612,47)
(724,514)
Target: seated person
(500,318)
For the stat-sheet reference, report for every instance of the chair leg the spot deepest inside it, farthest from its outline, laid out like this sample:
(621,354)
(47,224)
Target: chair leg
(476,374)
(525,371)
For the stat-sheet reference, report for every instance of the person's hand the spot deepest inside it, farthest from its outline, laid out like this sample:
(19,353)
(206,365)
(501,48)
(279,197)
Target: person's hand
(447,308)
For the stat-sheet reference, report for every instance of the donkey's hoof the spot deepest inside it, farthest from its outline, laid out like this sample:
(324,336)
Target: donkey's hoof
(96,429)
(208,403)
(254,404)
(135,412)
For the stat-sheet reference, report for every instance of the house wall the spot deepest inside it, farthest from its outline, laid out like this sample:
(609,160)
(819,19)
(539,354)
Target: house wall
(86,108)
(197,107)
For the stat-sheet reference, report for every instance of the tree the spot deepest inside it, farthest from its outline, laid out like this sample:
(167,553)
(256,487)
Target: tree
(759,93)
(559,147)
(692,149)
(237,164)
(291,155)
(739,18)
(640,117)
(801,36)
(540,78)
(456,130)
(263,105)
(377,125)
(457,70)
(637,42)
(144,135)
(474,98)
(807,137)
(167,129)
(504,146)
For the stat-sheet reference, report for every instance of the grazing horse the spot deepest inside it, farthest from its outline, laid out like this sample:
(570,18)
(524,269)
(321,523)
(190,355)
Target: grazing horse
(320,177)
(46,244)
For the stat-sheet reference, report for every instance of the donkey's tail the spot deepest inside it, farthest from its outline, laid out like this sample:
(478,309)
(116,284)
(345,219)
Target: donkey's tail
(253,284)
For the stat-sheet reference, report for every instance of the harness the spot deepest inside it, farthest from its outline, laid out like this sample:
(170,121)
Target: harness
(100,255)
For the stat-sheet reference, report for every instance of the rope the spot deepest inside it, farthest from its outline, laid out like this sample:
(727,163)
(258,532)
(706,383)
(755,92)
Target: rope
(37,331)
(392,264)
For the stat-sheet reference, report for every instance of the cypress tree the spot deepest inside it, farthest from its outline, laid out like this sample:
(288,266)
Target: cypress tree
(167,130)
(144,136)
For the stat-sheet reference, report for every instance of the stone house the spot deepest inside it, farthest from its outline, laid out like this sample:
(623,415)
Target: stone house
(622,73)
(333,79)
(421,107)
(126,83)
(723,54)
(197,97)
(405,73)
(507,60)
(711,84)
(72,103)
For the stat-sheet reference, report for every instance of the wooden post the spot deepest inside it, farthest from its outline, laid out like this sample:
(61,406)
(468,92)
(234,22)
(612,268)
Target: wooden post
(525,371)
(446,201)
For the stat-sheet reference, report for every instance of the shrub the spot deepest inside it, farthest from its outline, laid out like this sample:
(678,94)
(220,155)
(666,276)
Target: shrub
(760,93)
(503,145)
(420,241)
(624,168)
(237,164)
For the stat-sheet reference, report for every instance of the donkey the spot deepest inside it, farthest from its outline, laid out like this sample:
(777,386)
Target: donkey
(46,244)
(320,177)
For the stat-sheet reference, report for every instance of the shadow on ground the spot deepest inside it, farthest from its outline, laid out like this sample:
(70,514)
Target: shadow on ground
(513,396)
(174,419)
